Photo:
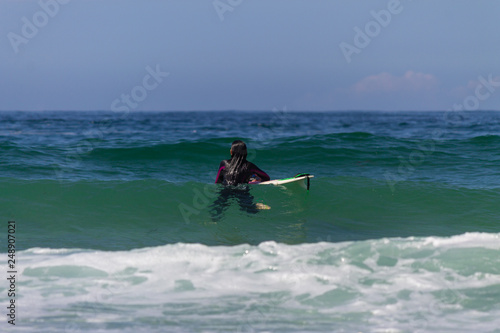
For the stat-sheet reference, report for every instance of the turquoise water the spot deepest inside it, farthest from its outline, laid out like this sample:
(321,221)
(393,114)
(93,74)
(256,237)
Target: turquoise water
(398,233)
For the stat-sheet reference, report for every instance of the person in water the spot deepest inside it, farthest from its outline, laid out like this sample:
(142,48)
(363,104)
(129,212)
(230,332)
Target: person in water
(237,170)
(233,174)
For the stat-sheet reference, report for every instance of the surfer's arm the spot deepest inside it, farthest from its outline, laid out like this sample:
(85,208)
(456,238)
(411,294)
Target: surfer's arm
(255,170)
(219,177)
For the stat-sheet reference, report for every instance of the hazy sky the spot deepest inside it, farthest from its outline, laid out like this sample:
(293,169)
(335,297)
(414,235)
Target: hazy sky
(249,54)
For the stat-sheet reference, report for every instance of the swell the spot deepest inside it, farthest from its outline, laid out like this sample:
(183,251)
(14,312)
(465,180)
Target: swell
(471,163)
(130,214)
(356,142)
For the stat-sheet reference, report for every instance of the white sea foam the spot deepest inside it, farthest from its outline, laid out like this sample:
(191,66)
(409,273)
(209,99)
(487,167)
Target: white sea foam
(387,285)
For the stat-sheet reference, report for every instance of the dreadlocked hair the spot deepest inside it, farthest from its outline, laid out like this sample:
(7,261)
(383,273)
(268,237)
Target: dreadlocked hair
(238,165)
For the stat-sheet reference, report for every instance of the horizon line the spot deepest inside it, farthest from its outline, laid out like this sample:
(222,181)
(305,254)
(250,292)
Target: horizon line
(249,110)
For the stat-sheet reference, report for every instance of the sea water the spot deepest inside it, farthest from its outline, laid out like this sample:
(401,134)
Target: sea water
(114,232)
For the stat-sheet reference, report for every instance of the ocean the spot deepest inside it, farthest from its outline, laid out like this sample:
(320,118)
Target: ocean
(107,223)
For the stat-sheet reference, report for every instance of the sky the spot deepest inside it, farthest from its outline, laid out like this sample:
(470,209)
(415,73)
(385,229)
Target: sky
(303,55)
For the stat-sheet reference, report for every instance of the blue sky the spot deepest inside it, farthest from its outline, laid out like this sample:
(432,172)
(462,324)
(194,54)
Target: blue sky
(249,55)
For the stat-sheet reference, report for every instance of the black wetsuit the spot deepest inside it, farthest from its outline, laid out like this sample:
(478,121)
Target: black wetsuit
(242,178)
(241,192)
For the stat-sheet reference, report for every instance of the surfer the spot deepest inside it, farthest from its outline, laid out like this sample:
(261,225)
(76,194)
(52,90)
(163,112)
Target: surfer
(237,170)
(234,174)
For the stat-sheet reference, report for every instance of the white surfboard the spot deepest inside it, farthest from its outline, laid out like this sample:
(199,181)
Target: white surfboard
(303,180)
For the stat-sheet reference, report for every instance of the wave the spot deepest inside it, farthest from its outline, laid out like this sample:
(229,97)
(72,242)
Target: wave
(486,140)
(392,284)
(281,155)
(130,214)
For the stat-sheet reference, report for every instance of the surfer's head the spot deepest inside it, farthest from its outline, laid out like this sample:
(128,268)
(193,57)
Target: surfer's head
(239,149)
